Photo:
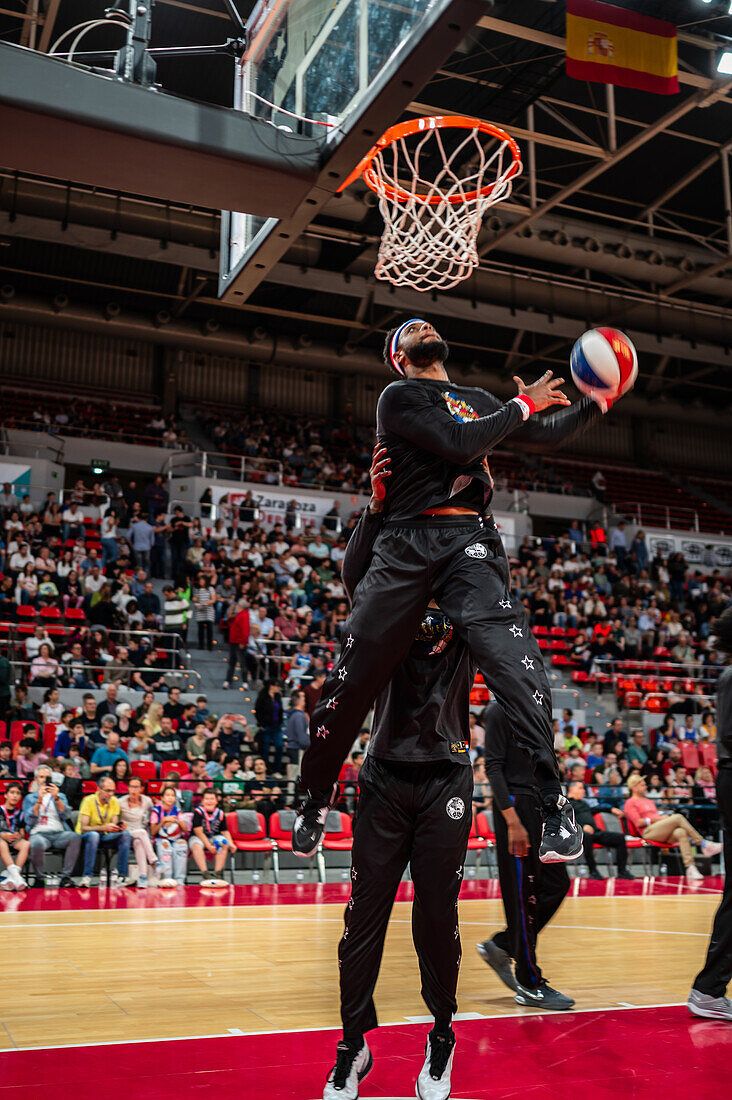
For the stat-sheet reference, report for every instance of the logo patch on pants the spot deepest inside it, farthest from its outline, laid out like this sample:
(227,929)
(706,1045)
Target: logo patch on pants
(455,808)
(477,550)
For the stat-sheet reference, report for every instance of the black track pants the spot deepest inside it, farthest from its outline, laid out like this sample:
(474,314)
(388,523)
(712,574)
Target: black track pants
(416,814)
(716,975)
(532,891)
(463,565)
(605,839)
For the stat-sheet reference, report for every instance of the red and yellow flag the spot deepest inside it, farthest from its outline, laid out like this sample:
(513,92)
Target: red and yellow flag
(615,46)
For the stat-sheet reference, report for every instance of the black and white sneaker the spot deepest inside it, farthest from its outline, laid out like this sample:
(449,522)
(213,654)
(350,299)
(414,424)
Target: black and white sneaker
(499,960)
(561,838)
(543,997)
(434,1081)
(349,1070)
(309,825)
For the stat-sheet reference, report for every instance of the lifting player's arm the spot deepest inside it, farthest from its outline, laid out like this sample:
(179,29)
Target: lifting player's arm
(361,543)
(407,411)
(495,755)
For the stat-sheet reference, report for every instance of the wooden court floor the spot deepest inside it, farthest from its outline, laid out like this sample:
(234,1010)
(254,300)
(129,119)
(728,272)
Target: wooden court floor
(80,976)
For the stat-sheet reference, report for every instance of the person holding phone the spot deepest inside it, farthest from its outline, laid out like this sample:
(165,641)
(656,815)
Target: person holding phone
(99,826)
(14,845)
(46,814)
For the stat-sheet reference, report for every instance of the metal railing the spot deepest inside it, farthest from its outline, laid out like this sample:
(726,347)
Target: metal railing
(142,435)
(224,467)
(658,515)
(172,677)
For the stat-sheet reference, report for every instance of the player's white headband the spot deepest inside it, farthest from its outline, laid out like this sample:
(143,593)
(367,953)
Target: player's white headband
(395,342)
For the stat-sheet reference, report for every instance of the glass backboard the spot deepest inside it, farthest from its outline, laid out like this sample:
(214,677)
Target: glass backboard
(310,64)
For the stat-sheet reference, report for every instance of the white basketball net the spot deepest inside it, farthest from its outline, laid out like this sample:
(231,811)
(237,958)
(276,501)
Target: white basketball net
(429,241)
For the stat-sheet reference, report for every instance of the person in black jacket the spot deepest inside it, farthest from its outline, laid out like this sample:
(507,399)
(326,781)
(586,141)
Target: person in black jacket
(269,713)
(440,542)
(594,835)
(531,891)
(707,997)
(414,807)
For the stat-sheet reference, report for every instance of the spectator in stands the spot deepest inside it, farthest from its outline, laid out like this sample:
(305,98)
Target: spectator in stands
(73,735)
(175,612)
(196,743)
(642,814)
(121,774)
(14,844)
(314,690)
(45,669)
(169,830)
(73,781)
(26,589)
(256,654)
(156,496)
(596,836)
(267,794)
(174,708)
(75,667)
(73,520)
(135,809)
(167,745)
(613,734)
(297,735)
(269,713)
(204,611)
(708,728)
(229,737)
(149,677)
(142,540)
(46,814)
(119,669)
(8,767)
(104,758)
(108,538)
(52,709)
(682,651)
(210,839)
(8,500)
(39,637)
(110,703)
(149,602)
(688,731)
(618,544)
(99,826)
(639,551)
(179,539)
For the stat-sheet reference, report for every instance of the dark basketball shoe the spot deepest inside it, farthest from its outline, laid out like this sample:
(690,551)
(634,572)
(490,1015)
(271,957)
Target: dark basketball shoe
(499,960)
(561,838)
(543,997)
(309,826)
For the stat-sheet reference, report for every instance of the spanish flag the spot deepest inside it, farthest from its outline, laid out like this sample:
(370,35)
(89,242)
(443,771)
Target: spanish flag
(612,45)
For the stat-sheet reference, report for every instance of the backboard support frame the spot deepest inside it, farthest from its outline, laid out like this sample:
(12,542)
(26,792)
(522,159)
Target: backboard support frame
(423,52)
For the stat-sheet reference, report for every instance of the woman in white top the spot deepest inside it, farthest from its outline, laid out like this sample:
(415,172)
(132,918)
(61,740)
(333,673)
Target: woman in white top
(52,709)
(26,589)
(134,812)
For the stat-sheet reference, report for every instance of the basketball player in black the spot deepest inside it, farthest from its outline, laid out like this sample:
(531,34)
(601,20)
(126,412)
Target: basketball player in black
(414,808)
(707,997)
(440,542)
(532,891)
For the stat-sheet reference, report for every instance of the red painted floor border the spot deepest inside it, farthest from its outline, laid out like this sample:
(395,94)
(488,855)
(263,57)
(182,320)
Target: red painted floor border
(633,1054)
(336,893)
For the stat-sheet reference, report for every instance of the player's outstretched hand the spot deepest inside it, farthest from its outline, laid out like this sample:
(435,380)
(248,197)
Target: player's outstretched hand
(378,473)
(544,392)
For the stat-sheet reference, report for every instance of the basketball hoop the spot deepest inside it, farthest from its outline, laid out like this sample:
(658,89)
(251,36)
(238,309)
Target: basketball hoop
(433,212)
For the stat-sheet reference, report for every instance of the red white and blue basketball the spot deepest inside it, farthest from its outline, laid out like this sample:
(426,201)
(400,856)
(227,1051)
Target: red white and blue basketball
(604,361)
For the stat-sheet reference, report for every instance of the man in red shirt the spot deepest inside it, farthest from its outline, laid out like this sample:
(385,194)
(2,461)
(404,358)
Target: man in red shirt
(642,813)
(238,622)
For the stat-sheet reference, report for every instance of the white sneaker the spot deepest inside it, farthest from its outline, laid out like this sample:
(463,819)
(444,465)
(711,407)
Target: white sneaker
(348,1072)
(142,882)
(693,874)
(711,848)
(434,1082)
(711,1008)
(85,882)
(16,878)
(225,686)
(7,883)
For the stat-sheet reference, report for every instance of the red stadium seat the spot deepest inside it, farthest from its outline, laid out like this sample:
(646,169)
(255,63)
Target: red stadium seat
(476,842)
(708,755)
(17,731)
(338,835)
(689,755)
(153,787)
(280,829)
(483,828)
(50,613)
(75,614)
(89,786)
(144,769)
(49,736)
(249,832)
(168,766)
(25,611)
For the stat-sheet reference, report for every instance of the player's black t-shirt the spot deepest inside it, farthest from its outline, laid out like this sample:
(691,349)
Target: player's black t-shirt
(438,434)
(507,766)
(422,715)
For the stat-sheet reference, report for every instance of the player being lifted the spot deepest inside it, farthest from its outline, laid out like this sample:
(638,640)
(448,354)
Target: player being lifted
(439,541)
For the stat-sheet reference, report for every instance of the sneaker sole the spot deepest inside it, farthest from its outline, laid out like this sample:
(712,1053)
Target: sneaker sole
(555,857)
(709,1015)
(543,1005)
(419,1095)
(502,971)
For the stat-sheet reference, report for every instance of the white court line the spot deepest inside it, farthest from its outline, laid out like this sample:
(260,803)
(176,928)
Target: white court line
(307,1030)
(314,920)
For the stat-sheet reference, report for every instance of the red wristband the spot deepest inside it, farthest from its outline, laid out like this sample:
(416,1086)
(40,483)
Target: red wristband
(526,405)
